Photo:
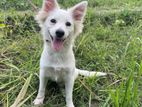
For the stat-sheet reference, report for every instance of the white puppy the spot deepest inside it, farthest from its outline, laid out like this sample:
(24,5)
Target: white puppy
(59,29)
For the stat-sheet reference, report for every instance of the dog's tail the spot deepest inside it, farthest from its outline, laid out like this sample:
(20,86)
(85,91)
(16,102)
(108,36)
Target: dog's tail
(90,73)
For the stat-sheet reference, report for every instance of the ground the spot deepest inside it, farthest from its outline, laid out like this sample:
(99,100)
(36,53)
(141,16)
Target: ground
(111,42)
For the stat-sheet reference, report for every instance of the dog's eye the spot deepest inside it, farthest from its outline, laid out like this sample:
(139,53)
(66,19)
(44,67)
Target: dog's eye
(53,21)
(68,24)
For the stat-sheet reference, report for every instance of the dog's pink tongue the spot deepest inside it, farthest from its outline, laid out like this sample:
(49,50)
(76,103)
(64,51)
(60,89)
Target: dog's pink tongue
(57,44)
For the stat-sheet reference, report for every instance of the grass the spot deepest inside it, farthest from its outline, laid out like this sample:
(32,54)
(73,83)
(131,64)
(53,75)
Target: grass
(111,42)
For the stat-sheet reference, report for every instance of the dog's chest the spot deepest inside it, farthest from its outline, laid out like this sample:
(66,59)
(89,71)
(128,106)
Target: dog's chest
(57,66)
(57,73)
(57,60)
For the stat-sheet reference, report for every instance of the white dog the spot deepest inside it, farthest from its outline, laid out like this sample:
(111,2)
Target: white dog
(59,29)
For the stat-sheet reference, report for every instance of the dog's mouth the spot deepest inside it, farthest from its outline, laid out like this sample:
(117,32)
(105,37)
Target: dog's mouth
(56,43)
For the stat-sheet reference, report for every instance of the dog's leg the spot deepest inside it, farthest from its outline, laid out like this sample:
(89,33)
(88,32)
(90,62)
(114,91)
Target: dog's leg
(69,83)
(42,85)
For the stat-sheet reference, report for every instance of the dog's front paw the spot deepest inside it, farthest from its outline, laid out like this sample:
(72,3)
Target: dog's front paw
(71,105)
(38,101)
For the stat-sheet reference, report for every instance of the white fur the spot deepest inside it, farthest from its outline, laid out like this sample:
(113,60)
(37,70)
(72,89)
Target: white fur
(60,65)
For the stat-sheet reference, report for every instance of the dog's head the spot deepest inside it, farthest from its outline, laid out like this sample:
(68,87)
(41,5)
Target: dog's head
(60,27)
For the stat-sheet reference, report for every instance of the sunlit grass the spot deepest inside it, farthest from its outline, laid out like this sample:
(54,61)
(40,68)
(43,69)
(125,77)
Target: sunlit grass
(111,42)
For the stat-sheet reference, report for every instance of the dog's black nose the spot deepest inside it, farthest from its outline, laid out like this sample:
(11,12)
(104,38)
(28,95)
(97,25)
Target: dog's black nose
(60,33)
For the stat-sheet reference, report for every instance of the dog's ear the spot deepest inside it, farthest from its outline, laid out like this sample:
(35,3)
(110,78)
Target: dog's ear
(48,6)
(79,11)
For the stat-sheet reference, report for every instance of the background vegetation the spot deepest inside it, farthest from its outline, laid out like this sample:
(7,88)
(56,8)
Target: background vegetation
(111,42)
